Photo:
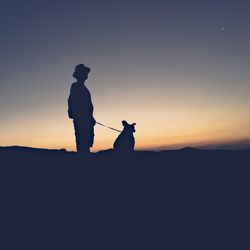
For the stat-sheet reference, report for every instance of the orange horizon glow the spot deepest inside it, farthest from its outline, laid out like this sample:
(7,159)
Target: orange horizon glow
(174,131)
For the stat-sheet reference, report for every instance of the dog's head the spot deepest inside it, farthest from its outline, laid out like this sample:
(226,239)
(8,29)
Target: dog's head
(128,128)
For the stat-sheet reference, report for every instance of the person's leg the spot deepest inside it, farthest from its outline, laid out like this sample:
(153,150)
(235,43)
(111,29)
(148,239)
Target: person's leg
(91,136)
(84,136)
(87,137)
(78,135)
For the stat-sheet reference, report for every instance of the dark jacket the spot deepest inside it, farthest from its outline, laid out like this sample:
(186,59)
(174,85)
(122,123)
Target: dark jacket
(80,105)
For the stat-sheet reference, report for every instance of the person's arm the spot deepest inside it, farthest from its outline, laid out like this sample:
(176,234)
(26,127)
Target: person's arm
(70,104)
(91,109)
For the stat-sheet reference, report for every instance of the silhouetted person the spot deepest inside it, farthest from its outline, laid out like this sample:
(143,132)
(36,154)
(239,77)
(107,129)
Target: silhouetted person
(80,109)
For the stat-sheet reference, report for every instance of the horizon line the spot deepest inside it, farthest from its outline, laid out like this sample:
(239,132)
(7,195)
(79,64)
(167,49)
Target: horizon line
(227,145)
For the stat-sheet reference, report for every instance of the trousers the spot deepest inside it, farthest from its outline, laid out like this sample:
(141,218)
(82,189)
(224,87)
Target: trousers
(84,135)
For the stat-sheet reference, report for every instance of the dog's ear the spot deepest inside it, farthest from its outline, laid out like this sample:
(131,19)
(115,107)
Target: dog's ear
(124,123)
(134,124)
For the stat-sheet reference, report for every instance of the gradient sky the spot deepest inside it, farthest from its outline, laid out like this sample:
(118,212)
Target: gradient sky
(179,69)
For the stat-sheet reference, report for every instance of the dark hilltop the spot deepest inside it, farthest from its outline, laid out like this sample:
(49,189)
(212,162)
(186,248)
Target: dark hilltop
(177,199)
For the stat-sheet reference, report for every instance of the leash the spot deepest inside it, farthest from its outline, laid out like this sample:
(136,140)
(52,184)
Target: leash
(108,127)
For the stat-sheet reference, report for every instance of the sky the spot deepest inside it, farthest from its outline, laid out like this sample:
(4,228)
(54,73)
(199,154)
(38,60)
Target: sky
(179,69)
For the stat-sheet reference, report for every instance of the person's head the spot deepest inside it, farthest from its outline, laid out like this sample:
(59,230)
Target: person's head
(81,72)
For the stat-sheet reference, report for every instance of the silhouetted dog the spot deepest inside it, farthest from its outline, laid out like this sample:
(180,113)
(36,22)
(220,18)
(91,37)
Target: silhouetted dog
(125,142)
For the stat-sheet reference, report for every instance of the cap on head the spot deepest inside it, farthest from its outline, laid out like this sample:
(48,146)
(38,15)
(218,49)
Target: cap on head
(81,71)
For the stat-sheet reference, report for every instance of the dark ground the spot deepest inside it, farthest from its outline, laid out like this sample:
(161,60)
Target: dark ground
(184,199)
